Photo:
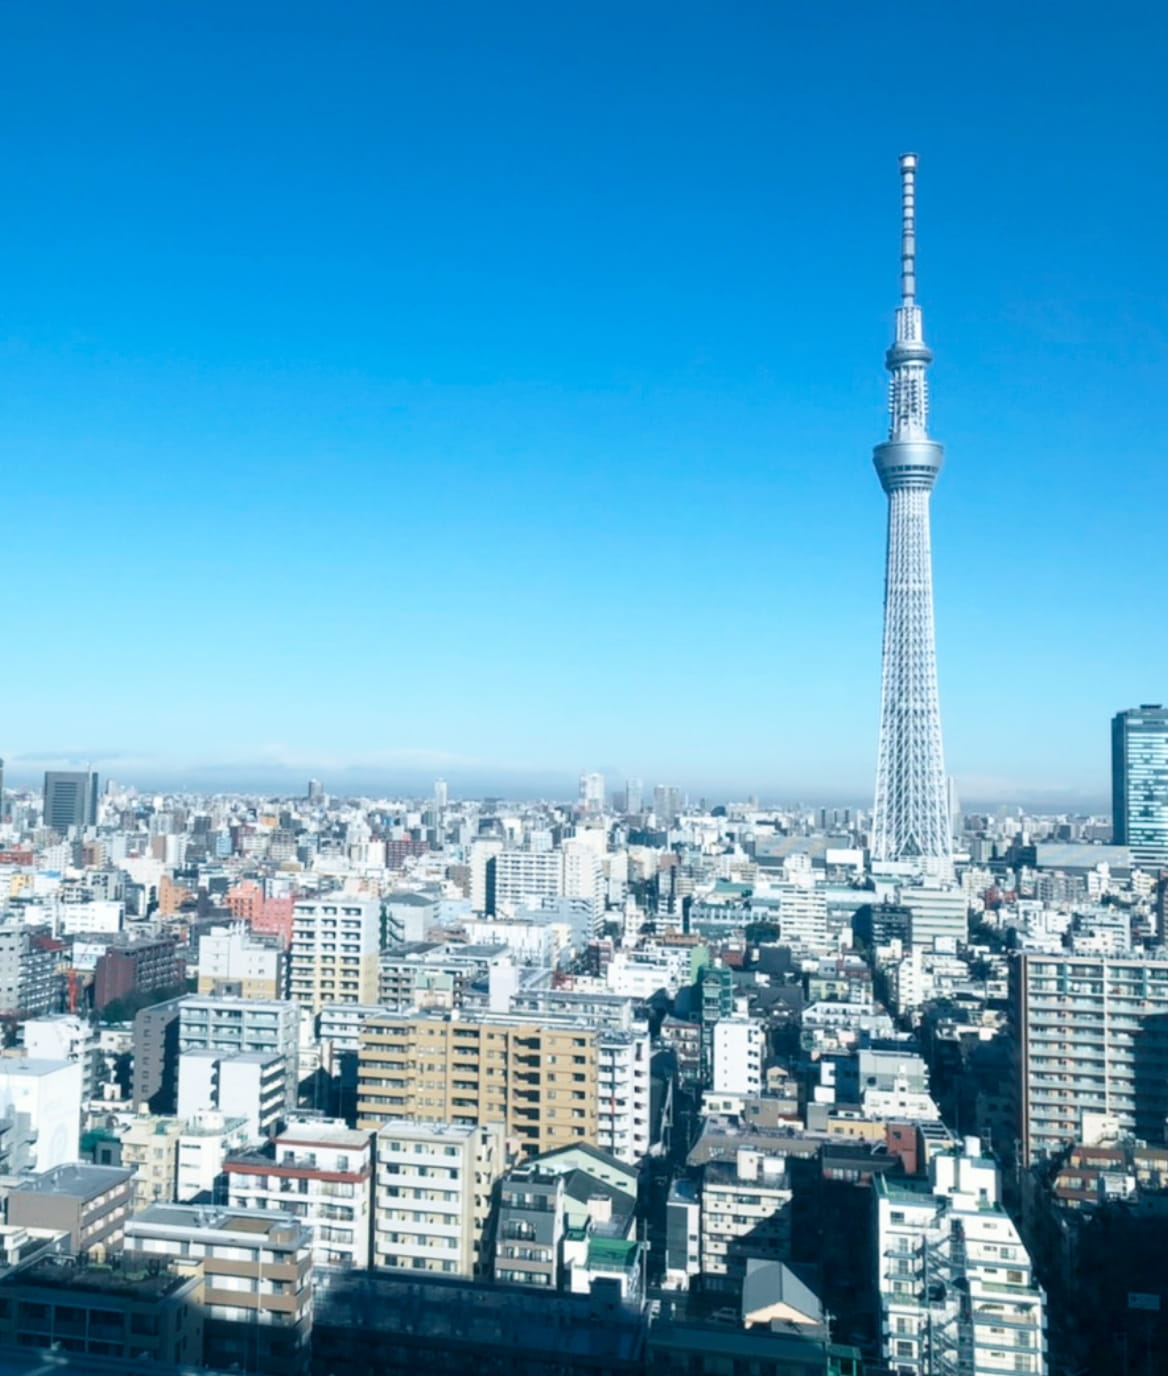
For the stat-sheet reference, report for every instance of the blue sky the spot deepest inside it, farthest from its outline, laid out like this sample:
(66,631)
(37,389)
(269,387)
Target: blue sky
(490,389)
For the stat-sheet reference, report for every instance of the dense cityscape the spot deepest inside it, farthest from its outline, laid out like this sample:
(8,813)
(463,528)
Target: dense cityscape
(383,1072)
(627,1083)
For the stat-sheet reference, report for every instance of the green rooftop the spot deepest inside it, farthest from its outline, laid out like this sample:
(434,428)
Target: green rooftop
(611,1253)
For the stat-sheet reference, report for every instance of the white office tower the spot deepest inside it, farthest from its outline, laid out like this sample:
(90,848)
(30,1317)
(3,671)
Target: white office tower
(738,1056)
(938,915)
(957,1293)
(592,792)
(440,796)
(634,796)
(584,873)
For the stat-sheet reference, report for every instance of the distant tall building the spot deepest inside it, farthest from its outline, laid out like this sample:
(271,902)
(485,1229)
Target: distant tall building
(1139,782)
(315,791)
(3,807)
(666,803)
(634,796)
(70,800)
(592,792)
(440,795)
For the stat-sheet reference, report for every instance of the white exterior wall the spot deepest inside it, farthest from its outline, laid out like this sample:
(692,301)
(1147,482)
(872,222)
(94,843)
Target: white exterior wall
(523,876)
(623,1119)
(957,1236)
(432,1194)
(46,1095)
(738,1056)
(337,1210)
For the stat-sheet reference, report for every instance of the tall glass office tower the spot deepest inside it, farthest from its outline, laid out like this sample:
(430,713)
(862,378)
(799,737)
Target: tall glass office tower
(1139,783)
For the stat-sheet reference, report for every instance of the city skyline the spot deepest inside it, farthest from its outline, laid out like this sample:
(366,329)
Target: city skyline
(401,412)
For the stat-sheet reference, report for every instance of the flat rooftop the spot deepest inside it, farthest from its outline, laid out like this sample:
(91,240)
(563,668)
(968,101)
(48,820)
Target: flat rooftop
(80,1181)
(130,1277)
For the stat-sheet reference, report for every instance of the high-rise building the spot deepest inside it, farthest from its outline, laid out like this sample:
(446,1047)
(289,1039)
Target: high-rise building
(336,941)
(1091,1040)
(538,1078)
(911,815)
(315,791)
(70,799)
(592,792)
(440,796)
(1139,783)
(634,796)
(526,876)
(957,1291)
(666,804)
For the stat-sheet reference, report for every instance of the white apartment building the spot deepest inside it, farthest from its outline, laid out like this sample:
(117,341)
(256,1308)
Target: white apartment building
(244,1084)
(98,915)
(956,1287)
(432,1195)
(64,1037)
(321,1173)
(526,876)
(252,1025)
(623,1125)
(204,1143)
(232,955)
(336,944)
(739,1047)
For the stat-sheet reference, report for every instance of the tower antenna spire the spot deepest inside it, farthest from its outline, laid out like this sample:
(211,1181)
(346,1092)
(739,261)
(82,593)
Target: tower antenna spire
(908,229)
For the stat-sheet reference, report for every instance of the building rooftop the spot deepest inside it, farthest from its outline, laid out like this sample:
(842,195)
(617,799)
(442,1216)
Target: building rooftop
(128,1274)
(77,1181)
(322,1135)
(26,1066)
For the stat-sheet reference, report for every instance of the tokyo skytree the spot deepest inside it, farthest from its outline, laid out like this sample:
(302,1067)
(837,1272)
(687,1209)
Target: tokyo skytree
(911,816)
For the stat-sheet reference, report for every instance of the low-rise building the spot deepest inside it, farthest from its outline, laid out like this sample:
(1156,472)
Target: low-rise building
(150,1150)
(90,1203)
(257,1278)
(746,1212)
(125,1309)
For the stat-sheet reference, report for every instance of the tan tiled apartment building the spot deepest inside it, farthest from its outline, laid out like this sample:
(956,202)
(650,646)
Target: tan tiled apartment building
(538,1078)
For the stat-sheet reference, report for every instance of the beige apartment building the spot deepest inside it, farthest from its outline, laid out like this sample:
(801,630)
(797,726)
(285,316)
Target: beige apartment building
(336,948)
(538,1078)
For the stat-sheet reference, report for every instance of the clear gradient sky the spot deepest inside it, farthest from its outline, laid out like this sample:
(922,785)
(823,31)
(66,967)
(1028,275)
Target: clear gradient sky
(490,389)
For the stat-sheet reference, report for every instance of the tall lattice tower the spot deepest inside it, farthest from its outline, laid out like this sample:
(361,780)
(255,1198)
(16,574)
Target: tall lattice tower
(911,820)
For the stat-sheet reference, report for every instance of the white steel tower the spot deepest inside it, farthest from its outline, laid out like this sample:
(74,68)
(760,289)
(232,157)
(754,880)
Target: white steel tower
(911,818)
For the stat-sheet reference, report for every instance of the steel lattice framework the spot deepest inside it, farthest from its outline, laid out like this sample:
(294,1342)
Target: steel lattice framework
(911,818)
